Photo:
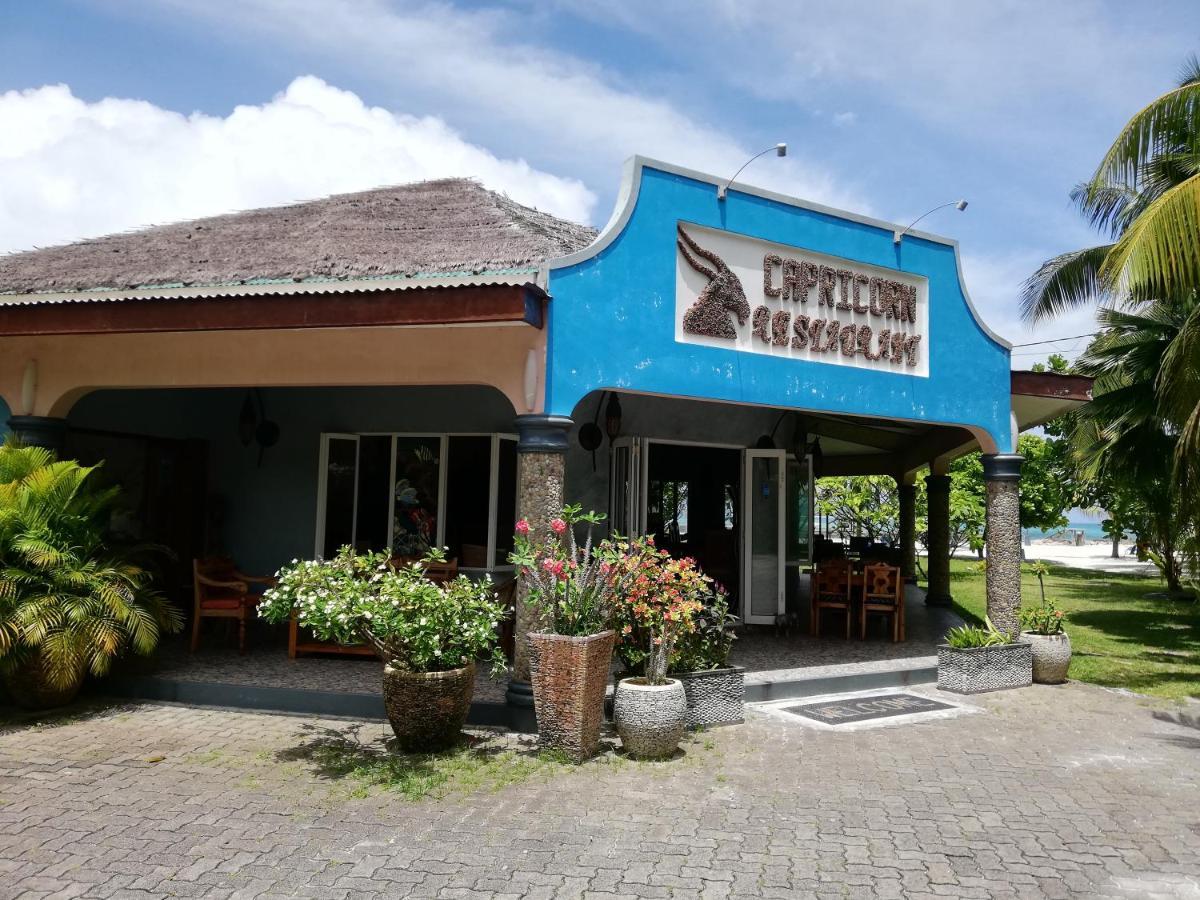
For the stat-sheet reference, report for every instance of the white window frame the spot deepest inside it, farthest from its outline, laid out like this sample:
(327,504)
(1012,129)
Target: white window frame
(443,438)
(323,489)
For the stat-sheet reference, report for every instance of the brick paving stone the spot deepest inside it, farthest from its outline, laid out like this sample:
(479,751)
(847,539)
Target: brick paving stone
(1046,792)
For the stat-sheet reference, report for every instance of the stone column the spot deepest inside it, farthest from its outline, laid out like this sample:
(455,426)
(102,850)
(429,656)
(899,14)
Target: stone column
(908,528)
(938,494)
(1002,475)
(40,431)
(541,471)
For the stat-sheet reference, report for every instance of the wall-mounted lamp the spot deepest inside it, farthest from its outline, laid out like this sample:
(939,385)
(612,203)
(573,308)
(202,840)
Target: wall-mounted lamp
(780,150)
(960,205)
(612,418)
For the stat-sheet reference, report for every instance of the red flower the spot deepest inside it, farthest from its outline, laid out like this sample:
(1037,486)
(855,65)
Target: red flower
(558,525)
(522,526)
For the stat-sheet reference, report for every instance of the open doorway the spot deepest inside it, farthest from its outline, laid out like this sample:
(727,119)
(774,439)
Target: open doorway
(693,506)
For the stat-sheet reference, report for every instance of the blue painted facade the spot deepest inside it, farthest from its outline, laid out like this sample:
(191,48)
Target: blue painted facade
(612,320)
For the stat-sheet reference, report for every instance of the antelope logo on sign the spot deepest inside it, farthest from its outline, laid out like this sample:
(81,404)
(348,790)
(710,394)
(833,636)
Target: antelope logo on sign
(755,296)
(724,294)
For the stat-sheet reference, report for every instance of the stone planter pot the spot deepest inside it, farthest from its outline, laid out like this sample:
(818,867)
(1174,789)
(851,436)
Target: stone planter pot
(651,719)
(428,709)
(1051,656)
(29,688)
(979,669)
(569,675)
(715,697)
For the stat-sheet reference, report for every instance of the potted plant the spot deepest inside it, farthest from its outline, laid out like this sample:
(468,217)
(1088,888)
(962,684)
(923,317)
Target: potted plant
(571,588)
(658,604)
(1042,627)
(428,635)
(716,691)
(70,602)
(975,659)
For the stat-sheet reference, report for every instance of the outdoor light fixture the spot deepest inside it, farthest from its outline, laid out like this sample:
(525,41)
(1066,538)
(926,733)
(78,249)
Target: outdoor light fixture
(780,150)
(960,205)
(612,418)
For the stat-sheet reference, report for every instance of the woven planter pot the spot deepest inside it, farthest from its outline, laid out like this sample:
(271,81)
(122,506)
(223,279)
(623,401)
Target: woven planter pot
(428,709)
(979,669)
(29,688)
(715,697)
(650,719)
(569,675)
(1051,656)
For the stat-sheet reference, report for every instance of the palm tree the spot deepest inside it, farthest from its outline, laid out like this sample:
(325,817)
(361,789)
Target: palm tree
(69,604)
(1144,197)
(1122,434)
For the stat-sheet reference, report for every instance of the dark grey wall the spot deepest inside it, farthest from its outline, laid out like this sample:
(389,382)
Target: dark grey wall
(270,510)
(667,419)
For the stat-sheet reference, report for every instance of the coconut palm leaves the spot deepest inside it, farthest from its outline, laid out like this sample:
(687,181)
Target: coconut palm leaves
(1146,195)
(64,595)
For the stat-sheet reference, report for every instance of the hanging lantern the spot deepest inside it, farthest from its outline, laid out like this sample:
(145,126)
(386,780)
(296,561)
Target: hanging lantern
(612,418)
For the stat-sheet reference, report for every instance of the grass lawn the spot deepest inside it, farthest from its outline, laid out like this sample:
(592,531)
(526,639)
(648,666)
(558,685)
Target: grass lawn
(1119,638)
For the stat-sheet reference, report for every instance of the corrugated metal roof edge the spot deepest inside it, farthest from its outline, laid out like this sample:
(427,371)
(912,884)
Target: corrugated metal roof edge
(263,287)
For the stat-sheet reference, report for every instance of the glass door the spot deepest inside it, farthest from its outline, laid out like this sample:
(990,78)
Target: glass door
(626,503)
(763,535)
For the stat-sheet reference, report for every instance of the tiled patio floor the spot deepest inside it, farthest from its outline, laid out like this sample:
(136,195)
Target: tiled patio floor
(766,654)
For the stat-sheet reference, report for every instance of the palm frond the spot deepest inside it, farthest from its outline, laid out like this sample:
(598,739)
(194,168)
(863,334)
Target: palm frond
(1153,129)
(1159,253)
(1067,281)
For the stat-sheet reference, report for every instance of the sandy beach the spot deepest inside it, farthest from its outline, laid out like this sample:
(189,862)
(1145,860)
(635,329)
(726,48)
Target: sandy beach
(1095,555)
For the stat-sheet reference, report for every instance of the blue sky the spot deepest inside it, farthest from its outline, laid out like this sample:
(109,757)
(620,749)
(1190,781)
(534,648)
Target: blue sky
(888,108)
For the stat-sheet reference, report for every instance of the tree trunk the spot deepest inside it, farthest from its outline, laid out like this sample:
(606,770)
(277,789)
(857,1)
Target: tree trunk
(1116,554)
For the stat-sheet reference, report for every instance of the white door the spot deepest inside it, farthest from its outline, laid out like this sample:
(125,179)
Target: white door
(626,487)
(337,494)
(763,545)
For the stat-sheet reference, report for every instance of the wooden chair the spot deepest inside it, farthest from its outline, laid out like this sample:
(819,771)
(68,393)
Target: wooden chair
(883,593)
(830,590)
(506,593)
(222,592)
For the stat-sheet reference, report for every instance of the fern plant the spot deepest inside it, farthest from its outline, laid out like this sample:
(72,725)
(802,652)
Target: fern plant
(69,603)
(970,637)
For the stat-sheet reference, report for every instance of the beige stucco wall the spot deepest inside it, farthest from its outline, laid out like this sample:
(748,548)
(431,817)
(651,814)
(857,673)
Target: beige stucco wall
(68,367)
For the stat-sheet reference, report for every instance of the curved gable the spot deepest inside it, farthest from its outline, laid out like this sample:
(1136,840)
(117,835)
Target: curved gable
(767,300)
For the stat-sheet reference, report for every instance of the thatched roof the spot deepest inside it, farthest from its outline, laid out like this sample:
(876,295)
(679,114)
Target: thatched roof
(449,227)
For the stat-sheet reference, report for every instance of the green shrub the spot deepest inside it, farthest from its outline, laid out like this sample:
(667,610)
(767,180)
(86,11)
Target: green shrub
(412,623)
(67,597)
(967,637)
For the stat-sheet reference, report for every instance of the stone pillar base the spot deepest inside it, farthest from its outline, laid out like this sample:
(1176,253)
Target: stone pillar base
(1002,476)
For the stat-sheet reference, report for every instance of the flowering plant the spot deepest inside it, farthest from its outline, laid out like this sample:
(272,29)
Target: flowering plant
(1047,618)
(708,645)
(658,603)
(412,623)
(571,586)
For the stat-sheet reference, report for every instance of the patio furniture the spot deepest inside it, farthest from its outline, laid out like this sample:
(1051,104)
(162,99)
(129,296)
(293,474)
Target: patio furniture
(831,590)
(883,593)
(506,593)
(297,644)
(222,592)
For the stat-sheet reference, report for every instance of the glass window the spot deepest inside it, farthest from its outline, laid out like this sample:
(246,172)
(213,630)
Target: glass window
(341,466)
(468,489)
(506,499)
(416,492)
(374,469)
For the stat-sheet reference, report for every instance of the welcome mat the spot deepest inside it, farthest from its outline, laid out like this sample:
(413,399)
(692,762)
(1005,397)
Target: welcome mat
(849,710)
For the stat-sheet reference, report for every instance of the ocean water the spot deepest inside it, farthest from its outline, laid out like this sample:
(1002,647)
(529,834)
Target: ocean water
(1091,532)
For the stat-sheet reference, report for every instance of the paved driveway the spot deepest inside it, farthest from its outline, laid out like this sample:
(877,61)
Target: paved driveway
(1050,792)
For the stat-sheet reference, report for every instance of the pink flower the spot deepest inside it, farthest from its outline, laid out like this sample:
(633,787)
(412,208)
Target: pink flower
(558,525)
(550,564)
(522,526)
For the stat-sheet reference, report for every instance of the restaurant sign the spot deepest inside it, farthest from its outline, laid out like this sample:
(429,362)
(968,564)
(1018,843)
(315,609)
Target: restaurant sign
(758,297)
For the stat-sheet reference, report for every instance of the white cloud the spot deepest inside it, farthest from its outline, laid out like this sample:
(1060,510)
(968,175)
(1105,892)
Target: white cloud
(486,68)
(72,169)
(994,283)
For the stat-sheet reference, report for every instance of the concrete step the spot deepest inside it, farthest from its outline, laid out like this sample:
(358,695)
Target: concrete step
(813,681)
